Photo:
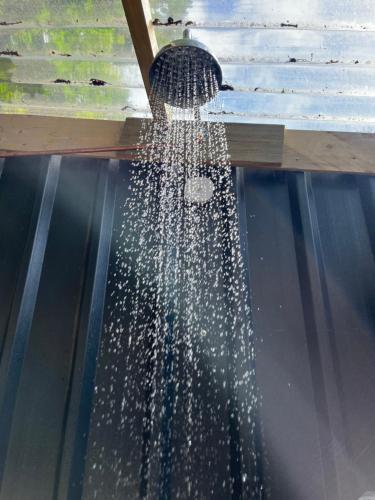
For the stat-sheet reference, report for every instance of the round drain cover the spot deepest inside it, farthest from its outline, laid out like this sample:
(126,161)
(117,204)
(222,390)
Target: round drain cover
(199,189)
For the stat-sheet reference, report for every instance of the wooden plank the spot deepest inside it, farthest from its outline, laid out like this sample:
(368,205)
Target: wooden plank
(138,16)
(249,144)
(303,150)
(329,152)
(41,133)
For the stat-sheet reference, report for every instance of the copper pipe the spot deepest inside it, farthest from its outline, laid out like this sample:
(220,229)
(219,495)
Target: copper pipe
(107,149)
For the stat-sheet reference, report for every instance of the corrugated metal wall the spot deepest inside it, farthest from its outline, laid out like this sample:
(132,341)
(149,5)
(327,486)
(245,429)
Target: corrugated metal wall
(309,240)
(311,260)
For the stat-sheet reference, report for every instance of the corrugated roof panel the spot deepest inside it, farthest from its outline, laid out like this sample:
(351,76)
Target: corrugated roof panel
(343,14)
(305,64)
(62,13)
(53,53)
(77,71)
(302,78)
(308,65)
(296,106)
(84,101)
(249,45)
(70,41)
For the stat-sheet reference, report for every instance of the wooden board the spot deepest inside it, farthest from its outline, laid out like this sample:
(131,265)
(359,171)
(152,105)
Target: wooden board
(250,145)
(329,152)
(138,16)
(43,133)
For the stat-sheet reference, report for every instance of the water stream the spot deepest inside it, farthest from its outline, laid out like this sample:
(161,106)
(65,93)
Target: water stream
(176,399)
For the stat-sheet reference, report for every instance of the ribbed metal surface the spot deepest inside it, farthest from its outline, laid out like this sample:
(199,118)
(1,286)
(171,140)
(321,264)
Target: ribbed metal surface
(269,50)
(306,64)
(309,240)
(311,261)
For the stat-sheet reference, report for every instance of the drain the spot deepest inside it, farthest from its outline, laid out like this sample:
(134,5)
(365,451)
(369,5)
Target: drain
(199,189)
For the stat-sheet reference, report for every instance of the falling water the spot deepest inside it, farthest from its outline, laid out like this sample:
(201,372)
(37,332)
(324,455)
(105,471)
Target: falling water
(176,400)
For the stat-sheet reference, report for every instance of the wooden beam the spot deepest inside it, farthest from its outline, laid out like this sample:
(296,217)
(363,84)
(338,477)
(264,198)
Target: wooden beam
(260,145)
(248,144)
(25,133)
(138,16)
(303,150)
(329,152)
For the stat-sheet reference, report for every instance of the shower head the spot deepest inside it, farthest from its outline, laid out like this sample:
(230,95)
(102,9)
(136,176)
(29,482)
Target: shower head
(185,74)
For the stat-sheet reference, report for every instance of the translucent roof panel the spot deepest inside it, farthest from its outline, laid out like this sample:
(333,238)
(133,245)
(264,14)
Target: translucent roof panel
(306,64)
(68,58)
(62,12)
(309,64)
(342,14)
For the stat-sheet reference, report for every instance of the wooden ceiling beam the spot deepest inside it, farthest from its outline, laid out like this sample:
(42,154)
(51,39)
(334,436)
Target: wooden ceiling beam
(142,31)
(258,145)
(249,145)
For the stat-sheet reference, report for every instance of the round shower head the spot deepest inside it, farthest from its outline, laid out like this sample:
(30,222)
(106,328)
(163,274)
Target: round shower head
(185,74)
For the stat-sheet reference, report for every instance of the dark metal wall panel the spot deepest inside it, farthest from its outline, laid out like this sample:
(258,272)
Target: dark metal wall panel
(349,271)
(107,440)
(312,276)
(289,416)
(317,323)
(20,193)
(309,241)
(110,438)
(89,330)
(93,309)
(23,316)
(39,414)
(36,439)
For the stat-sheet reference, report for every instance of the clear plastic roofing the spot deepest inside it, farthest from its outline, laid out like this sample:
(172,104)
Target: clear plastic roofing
(308,64)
